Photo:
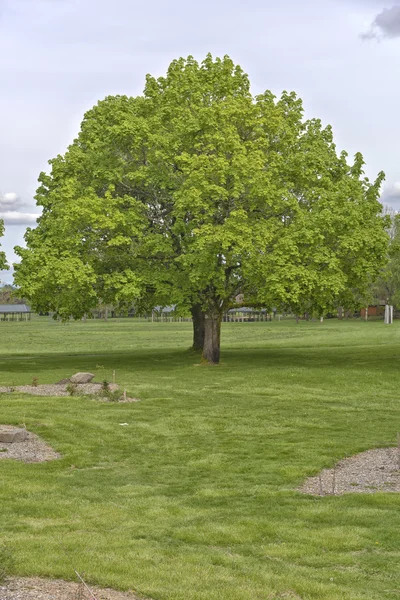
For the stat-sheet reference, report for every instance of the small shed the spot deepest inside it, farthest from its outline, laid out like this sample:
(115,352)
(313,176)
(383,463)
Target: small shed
(15,312)
(374,310)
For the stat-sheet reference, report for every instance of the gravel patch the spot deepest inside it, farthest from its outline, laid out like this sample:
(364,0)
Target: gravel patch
(60,389)
(32,450)
(365,473)
(33,588)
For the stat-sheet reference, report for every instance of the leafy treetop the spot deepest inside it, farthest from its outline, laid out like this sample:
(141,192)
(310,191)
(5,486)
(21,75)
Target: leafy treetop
(195,191)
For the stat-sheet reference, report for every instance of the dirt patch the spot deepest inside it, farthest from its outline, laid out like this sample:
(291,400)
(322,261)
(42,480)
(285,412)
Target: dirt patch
(33,588)
(60,389)
(32,450)
(366,473)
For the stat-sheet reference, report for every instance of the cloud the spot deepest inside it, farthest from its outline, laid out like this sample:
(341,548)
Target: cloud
(12,217)
(392,190)
(385,25)
(11,210)
(391,195)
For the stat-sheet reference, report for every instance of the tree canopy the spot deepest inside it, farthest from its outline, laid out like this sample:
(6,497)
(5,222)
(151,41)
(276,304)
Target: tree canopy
(195,191)
(10,295)
(387,286)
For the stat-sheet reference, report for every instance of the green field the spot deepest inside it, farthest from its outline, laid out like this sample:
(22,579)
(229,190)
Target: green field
(196,498)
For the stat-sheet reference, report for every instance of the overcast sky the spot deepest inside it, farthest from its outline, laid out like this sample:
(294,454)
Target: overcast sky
(59,57)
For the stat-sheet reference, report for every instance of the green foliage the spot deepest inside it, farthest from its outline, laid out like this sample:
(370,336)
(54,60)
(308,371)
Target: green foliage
(387,285)
(72,389)
(3,261)
(105,386)
(196,497)
(196,191)
(10,295)
(109,394)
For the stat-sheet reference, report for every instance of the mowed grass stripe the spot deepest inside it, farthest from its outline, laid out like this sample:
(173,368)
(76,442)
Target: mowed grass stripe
(196,498)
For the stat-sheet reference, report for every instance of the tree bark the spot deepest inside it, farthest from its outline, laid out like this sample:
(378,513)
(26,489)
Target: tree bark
(212,337)
(198,327)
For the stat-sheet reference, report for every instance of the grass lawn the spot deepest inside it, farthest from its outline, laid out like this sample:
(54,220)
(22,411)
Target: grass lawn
(195,499)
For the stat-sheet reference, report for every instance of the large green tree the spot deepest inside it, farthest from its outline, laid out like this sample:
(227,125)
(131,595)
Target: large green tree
(195,191)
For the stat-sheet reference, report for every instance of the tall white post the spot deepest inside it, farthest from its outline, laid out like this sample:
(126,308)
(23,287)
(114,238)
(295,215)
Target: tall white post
(386,314)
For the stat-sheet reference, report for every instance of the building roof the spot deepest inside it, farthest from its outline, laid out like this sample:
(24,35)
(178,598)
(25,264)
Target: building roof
(14,308)
(245,309)
(165,309)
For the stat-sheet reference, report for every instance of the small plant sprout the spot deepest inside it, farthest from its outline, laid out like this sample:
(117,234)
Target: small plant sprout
(72,389)
(35,382)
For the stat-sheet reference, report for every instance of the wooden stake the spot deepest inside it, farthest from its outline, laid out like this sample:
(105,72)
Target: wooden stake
(334,481)
(93,597)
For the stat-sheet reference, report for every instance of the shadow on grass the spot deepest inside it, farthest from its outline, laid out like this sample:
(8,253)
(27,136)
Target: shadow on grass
(376,358)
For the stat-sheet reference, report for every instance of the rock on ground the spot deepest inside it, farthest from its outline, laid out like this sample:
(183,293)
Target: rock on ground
(32,450)
(81,378)
(11,435)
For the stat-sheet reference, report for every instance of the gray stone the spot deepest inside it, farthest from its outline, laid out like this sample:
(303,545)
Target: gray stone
(63,381)
(10,436)
(82,378)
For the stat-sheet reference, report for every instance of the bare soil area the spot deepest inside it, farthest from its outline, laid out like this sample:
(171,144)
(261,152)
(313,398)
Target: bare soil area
(61,389)
(31,450)
(365,473)
(34,588)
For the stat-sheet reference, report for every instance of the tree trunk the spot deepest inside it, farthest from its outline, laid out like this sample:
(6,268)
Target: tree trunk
(340,312)
(198,327)
(212,337)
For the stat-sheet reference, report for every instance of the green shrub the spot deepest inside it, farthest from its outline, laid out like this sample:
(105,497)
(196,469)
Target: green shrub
(105,386)
(72,389)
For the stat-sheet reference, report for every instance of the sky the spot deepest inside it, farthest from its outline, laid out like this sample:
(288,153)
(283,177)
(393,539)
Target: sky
(59,57)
